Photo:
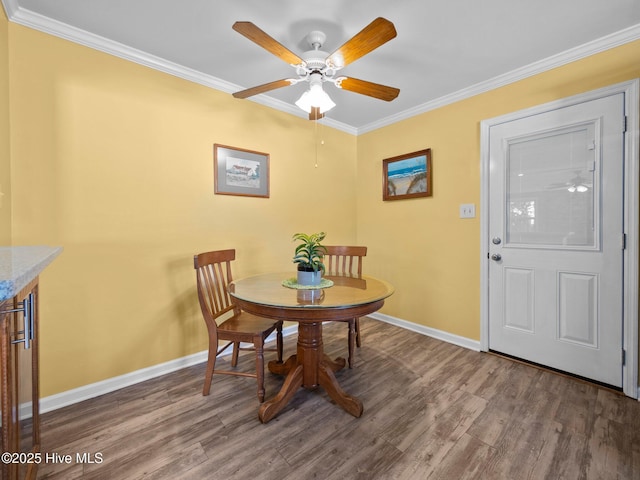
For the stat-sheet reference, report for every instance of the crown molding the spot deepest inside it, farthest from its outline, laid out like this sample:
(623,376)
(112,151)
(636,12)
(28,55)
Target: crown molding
(591,48)
(44,24)
(10,7)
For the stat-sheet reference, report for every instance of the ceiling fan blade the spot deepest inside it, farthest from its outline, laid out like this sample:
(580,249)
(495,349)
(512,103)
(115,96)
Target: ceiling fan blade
(267,42)
(263,88)
(315,114)
(377,33)
(371,89)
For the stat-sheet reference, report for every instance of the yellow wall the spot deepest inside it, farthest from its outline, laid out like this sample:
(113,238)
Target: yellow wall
(113,161)
(5,152)
(421,245)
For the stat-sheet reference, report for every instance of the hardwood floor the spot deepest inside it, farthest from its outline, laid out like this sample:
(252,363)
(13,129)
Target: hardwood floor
(431,411)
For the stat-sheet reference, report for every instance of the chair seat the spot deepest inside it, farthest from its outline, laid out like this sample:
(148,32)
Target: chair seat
(246,324)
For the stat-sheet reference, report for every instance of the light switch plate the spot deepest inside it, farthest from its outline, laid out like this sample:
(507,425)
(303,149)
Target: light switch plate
(467,210)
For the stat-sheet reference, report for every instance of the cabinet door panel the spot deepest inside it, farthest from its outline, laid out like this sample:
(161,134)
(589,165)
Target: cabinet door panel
(19,394)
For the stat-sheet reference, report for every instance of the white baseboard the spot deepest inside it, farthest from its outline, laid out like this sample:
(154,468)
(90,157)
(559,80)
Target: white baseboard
(69,397)
(63,399)
(428,331)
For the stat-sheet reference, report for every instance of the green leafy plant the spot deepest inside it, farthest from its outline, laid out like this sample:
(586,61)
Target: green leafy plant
(309,254)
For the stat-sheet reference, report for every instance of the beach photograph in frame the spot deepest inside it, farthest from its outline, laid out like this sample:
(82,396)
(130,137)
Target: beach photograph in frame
(407,176)
(241,172)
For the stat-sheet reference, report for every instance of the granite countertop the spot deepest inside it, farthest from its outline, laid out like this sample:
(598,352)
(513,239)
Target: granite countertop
(20,265)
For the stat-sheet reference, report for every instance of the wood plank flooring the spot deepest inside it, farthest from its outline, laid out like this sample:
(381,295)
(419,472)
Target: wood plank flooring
(431,411)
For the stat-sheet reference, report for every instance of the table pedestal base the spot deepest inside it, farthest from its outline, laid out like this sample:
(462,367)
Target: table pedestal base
(309,368)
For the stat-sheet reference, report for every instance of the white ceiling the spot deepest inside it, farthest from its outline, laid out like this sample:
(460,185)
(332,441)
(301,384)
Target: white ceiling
(445,49)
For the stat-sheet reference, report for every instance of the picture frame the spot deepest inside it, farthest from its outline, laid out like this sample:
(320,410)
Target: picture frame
(407,176)
(241,172)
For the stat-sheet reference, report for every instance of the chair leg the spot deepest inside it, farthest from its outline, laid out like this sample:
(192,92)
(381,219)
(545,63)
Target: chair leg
(352,340)
(259,347)
(211,363)
(358,332)
(279,341)
(234,355)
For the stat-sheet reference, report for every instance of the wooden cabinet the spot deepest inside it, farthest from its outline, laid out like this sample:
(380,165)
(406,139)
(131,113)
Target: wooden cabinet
(20,268)
(19,362)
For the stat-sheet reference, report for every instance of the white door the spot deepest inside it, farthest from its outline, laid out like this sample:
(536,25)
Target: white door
(556,238)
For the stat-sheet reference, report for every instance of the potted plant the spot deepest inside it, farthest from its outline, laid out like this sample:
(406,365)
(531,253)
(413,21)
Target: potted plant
(308,256)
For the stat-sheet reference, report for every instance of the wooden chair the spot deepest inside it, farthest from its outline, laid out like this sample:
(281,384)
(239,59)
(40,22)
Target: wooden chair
(342,260)
(213,271)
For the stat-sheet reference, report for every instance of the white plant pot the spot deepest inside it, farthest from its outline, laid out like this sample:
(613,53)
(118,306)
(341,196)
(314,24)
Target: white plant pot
(309,278)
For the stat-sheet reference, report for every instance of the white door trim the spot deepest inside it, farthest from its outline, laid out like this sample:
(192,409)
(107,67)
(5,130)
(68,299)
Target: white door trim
(631,89)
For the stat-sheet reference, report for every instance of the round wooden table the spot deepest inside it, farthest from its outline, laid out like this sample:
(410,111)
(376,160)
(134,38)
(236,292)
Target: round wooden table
(349,297)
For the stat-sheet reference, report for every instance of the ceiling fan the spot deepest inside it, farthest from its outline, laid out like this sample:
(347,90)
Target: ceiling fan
(316,66)
(576,184)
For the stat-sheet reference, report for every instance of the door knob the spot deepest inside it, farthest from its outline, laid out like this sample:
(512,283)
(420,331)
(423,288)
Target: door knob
(496,257)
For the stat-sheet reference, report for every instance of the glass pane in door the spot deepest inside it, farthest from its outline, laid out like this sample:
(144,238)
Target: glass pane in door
(550,194)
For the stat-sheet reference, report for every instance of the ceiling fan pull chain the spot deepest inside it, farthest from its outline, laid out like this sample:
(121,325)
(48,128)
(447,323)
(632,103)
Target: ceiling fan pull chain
(315,127)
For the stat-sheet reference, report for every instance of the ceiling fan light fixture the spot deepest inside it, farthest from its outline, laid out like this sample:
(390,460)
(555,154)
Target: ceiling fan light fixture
(577,184)
(581,188)
(315,97)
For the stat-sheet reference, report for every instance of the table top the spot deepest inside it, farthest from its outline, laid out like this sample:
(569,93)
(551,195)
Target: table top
(347,291)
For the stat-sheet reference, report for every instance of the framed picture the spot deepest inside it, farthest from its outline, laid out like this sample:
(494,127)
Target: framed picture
(407,176)
(241,172)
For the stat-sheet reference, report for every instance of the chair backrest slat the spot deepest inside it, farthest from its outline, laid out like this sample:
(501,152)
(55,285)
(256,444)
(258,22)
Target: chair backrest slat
(213,277)
(343,260)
